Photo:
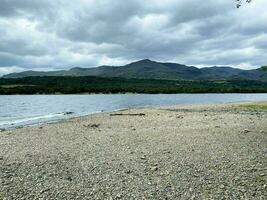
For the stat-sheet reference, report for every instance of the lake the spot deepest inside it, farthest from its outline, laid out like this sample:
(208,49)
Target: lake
(17,110)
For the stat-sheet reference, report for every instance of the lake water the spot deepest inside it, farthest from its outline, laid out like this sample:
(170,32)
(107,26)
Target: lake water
(32,109)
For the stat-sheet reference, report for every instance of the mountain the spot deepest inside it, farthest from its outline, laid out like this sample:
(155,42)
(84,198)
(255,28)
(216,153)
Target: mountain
(147,69)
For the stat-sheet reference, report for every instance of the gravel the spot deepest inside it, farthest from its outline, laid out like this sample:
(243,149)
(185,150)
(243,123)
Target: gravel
(178,152)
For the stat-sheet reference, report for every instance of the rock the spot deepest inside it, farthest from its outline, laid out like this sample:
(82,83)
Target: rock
(1,158)
(119,196)
(69,178)
(44,190)
(143,157)
(2,129)
(68,113)
(154,168)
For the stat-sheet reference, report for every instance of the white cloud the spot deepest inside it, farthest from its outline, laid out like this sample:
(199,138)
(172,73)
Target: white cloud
(11,69)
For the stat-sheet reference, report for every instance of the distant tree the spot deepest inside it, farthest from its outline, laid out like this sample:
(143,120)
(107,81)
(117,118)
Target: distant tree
(240,2)
(264,68)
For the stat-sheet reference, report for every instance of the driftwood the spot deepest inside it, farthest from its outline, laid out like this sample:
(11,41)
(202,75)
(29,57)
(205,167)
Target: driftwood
(122,114)
(92,125)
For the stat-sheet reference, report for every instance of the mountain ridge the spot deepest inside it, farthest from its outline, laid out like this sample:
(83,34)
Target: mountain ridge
(148,69)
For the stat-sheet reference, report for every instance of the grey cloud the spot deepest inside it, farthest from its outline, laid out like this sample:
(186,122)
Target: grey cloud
(15,8)
(59,33)
(7,59)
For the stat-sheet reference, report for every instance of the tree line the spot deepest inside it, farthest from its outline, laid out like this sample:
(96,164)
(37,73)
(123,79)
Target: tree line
(78,85)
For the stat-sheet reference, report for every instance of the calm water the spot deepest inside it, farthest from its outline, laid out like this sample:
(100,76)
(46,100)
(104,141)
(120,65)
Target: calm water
(26,110)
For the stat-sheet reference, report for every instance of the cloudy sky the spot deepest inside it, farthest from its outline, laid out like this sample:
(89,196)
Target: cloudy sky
(59,34)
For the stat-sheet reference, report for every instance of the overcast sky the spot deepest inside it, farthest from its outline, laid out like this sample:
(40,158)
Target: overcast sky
(59,34)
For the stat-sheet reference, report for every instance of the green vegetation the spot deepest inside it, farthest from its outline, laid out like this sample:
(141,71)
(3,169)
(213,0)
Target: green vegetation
(76,85)
(148,69)
(255,106)
(264,68)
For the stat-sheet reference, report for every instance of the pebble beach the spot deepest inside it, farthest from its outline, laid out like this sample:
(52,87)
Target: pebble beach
(170,152)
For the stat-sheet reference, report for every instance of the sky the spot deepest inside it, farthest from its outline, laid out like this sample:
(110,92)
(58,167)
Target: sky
(60,34)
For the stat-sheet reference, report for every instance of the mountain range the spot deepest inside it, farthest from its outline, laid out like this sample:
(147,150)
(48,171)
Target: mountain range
(148,69)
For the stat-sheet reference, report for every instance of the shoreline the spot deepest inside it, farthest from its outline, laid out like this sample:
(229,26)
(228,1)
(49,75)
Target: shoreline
(177,152)
(52,121)
(130,93)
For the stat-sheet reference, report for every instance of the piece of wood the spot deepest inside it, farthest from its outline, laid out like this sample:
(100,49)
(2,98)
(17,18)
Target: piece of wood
(122,114)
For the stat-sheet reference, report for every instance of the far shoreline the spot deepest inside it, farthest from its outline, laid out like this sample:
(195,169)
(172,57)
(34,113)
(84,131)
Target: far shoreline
(130,93)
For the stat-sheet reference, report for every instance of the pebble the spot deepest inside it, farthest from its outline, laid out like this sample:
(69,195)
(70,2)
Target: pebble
(154,168)
(143,157)
(119,196)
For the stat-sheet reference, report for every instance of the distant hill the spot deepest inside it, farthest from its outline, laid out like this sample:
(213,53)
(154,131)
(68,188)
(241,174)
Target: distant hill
(147,69)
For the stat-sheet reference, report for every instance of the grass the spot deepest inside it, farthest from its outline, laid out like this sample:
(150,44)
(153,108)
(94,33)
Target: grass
(255,106)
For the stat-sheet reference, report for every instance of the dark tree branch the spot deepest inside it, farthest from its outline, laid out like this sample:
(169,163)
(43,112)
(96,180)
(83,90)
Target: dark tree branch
(239,3)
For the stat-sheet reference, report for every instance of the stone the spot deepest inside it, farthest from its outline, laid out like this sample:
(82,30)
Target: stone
(119,196)
(154,168)
(68,113)
(143,157)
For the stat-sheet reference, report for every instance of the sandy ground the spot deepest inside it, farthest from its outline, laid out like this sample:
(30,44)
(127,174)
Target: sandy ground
(174,152)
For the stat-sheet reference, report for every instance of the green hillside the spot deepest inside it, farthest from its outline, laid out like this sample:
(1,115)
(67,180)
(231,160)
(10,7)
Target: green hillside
(147,69)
